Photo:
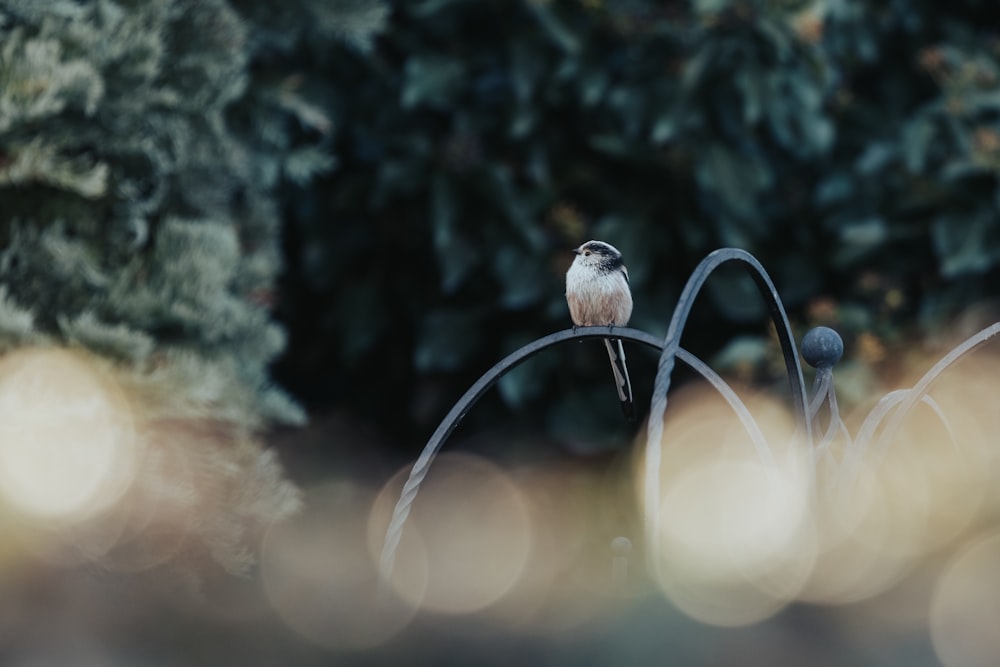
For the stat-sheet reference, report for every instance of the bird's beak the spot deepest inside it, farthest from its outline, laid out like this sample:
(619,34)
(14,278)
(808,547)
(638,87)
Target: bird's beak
(575,251)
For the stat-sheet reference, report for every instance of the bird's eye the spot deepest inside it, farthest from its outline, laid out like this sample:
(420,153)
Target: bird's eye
(586,253)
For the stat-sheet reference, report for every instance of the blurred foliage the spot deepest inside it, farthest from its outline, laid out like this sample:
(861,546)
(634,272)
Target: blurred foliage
(141,150)
(852,145)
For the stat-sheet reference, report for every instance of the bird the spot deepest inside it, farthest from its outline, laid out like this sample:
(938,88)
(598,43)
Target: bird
(598,294)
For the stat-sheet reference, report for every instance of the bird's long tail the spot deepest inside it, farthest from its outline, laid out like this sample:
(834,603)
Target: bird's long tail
(617,354)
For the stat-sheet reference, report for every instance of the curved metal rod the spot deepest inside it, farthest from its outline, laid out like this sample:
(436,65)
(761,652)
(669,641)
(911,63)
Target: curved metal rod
(671,345)
(919,390)
(447,426)
(823,447)
(824,392)
(875,417)
(855,454)
(933,405)
(836,423)
(821,387)
(749,423)
(904,400)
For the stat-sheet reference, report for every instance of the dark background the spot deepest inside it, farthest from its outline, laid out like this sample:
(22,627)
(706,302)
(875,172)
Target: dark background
(852,147)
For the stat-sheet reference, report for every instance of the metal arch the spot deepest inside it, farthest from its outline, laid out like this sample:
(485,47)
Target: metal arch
(458,411)
(919,390)
(670,350)
(671,343)
(893,408)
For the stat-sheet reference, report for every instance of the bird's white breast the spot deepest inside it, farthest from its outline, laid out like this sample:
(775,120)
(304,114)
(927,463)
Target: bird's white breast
(597,298)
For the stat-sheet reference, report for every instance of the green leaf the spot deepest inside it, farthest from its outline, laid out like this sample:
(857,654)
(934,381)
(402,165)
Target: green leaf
(865,233)
(735,178)
(304,164)
(742,351)
(557,31)
(663,128)
(527,66)
(427,8)
(753,89)
(431,81)
(957,170)
(986,101)
(875,158)
(611,144)
(966,244)
(916,142)
(515,206)
(522,122)
(858,238)
(712,6)
(593,84)
(834,189)
(456,256)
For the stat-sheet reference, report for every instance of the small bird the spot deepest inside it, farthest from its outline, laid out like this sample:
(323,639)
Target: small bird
(598,294)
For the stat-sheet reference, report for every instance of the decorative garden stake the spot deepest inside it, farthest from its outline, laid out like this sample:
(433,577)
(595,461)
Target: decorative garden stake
(447,426)
(621,549)
(904,400)
(822,348)
(671,345)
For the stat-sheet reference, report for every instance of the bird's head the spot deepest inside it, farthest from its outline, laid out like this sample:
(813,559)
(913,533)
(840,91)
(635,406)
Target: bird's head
(598,254)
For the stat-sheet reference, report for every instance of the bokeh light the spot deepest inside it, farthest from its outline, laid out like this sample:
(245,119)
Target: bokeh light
(965,611)
(473,525)
(733,546)
(862,549)
(67,439)
(576,511)
(732,542)
(156,517)
(319,575)
(885,504)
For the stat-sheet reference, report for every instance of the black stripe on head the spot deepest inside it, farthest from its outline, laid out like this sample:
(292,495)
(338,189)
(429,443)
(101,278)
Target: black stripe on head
(610,258)
(611,263)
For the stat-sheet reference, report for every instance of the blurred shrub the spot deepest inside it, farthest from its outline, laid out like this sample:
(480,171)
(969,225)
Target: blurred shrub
(853,145)
(141,147)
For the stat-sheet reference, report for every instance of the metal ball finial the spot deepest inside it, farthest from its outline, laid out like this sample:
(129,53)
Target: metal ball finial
(822,347)
(621,546)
